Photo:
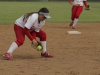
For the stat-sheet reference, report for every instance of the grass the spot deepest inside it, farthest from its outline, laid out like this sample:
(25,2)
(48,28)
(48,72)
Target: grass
(59,11)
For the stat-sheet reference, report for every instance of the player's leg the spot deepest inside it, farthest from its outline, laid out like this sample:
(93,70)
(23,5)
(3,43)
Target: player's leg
(78,12)
(20,39)
(73,12)
(42,35)
(20,35)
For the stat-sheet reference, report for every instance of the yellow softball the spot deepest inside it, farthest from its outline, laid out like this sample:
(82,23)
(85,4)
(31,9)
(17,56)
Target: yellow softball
(39,47)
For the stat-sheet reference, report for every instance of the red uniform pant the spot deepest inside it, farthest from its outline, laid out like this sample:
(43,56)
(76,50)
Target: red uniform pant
(20,35)
(76,11)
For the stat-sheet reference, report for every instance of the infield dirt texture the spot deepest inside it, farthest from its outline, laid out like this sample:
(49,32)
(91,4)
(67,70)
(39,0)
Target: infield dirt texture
(73,54)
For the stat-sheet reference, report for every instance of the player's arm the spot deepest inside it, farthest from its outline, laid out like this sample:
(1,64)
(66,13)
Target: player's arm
(27,32)
(28,26)
(70,1)
(85,3)
(87,7)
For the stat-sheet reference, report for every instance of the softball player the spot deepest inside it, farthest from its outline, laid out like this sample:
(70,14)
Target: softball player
(30,24)
(76,11)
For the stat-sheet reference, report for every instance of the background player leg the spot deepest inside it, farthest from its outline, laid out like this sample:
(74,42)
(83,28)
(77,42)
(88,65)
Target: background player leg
(77,14)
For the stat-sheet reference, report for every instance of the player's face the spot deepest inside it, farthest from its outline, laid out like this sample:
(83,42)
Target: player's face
(42,17)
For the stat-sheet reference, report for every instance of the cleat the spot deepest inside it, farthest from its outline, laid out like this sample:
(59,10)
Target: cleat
(71,24)
(73,27)
(8,56)
(46,54)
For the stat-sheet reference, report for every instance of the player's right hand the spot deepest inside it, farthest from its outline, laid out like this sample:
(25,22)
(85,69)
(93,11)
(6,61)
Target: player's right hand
(34,43)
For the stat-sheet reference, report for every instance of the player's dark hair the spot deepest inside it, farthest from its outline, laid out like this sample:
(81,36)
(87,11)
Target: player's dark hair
(44,10)
(26,16)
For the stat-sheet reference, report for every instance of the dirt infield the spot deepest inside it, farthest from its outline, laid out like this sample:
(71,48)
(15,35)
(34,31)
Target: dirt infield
(73,54)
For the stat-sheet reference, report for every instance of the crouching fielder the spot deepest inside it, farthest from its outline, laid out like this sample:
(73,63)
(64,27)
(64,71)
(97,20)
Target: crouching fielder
(77,9)
(30,24)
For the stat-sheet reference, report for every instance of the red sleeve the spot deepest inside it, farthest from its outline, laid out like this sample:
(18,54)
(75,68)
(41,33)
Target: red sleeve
(28,34)
(70,0)
(85,3)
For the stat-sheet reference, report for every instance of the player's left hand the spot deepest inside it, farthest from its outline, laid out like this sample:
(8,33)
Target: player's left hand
(35,46)
(34,43)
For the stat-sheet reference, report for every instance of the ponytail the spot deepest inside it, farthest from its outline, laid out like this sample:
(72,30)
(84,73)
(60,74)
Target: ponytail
(26,16)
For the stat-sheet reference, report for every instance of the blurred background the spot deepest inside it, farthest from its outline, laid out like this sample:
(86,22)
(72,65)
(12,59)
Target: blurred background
(60,10)
(43,0)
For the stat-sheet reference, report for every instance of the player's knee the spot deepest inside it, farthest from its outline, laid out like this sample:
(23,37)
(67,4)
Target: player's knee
(72,18)
(43,37)
(20,42)
(77,16)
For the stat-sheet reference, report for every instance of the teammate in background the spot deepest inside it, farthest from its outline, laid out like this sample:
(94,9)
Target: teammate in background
(30,24)
(77,8)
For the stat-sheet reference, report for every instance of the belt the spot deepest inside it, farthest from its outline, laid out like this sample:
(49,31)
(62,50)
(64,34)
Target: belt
(76,5)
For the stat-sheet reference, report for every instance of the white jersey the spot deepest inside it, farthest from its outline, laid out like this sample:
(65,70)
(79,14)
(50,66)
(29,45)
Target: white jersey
(80,2)
(32,23)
